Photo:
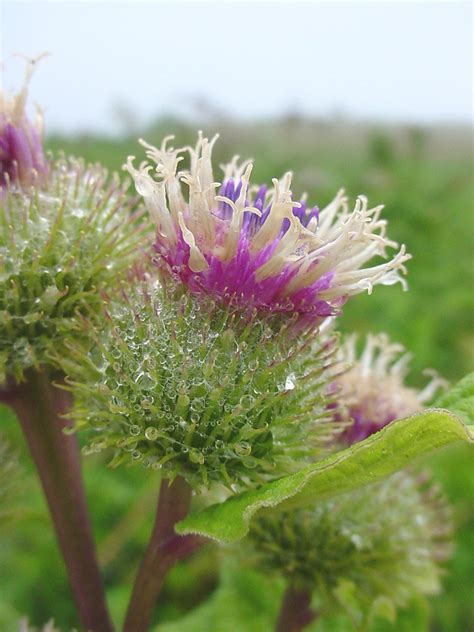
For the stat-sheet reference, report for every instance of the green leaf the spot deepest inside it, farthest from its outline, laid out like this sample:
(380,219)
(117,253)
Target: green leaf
(460,399)
(382,454)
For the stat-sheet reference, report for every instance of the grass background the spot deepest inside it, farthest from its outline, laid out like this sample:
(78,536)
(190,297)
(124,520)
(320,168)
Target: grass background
(424,177)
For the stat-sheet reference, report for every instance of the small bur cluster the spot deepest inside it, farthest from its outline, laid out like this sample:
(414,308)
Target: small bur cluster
(185,386)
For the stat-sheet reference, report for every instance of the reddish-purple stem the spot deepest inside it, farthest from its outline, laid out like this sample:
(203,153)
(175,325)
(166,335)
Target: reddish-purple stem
(164,549)
(295,612)
(39,407)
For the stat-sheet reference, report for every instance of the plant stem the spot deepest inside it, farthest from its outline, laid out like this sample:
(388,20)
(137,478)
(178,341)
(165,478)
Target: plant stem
(164,549)
(295,612)
(39,407)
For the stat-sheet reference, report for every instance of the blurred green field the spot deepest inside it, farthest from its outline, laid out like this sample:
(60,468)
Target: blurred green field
(424,177)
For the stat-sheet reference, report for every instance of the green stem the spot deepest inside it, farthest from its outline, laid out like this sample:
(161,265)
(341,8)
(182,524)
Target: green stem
(295,612)
(164,549)
(40,407)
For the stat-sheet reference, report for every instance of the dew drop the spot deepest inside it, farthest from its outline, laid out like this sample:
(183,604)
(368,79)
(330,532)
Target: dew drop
(290,382)
(243,448)
(151,433)
(145,381)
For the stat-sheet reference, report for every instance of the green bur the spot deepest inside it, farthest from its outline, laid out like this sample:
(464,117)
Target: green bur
(380,544)
(58,246)
(179,384)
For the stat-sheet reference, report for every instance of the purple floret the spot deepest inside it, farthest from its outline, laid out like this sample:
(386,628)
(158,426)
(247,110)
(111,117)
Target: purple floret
(21,153)
(234,281)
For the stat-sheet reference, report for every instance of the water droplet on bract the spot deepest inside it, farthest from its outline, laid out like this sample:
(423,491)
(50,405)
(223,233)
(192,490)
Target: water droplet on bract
(356,540)
(147,402)
(134,430)
(145,381)
(78,212)
(290,382)
(151,433)
(243,448)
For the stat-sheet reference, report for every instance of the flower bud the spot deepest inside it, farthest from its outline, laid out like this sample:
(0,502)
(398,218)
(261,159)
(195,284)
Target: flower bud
(382,541)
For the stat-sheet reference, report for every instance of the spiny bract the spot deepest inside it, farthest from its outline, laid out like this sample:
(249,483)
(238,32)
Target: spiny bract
(181,384)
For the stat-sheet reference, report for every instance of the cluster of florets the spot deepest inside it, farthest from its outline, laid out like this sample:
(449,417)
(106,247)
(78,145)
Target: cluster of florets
(58,247)
(256,246)
(181,384)
(385,540)
(374,390)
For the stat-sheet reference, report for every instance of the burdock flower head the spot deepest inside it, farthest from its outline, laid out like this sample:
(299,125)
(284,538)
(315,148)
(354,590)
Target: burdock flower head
(374,388)
(22,159)
(258,246)
(60,243)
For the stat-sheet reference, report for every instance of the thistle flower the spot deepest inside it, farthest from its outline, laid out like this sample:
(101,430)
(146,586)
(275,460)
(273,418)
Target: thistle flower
(386,540)
(182,385)
(258,246)
(58,247)
(374,389)
(22,158)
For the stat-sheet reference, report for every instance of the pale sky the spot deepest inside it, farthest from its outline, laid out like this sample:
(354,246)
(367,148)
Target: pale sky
(402,61)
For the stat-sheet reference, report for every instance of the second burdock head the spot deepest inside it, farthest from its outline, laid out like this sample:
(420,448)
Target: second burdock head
(383,542)
(373,388)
